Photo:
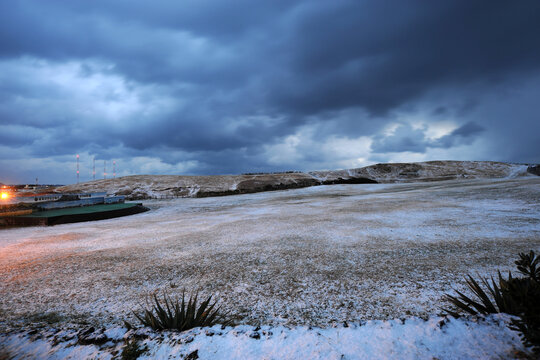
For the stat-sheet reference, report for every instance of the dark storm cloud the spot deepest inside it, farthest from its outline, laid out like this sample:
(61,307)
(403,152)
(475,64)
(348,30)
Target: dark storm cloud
(15,136)
(382,55)
(201,42)
(465,134)
(405,138)
(218,82)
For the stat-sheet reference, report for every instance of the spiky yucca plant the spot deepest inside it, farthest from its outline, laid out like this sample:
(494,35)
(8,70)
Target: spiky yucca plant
(502,301)
(514,296)
(179,315)
(527,265)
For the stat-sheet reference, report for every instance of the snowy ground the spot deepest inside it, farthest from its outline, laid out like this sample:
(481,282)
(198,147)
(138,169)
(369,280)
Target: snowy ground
(436,338)
(309,257)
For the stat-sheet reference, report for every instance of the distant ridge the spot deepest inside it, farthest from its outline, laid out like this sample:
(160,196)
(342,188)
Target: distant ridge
(163,186)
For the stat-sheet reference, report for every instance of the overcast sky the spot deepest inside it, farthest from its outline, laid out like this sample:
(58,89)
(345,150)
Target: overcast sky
(226,87)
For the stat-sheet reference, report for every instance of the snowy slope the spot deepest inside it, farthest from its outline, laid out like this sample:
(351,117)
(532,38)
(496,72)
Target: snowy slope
(430,171)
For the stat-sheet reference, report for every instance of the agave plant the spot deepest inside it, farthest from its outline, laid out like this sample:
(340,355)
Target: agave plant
(514,296)
(502,301)
(527,265)
(178,315)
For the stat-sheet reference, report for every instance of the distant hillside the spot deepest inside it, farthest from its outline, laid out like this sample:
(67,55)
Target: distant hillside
(157,186)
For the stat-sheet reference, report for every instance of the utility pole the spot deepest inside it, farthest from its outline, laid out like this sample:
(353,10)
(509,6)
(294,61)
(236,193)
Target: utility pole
(77,168)
(114,169)
(94,169)
(104,169)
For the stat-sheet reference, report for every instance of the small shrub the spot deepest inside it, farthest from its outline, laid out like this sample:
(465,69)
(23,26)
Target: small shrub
(515,296)
(132,351)
(178,315)
(47,317)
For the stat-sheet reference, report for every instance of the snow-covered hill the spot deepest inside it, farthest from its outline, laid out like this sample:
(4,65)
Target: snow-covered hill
(163,186)
(428,171)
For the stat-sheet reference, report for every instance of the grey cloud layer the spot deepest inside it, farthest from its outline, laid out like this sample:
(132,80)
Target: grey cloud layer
(406,138)
(219,82)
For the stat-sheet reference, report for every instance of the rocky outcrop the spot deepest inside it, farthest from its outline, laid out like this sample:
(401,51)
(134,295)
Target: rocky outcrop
(534,169)
(351,180)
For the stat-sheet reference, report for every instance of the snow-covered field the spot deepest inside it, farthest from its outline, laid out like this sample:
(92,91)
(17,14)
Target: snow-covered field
(317,256)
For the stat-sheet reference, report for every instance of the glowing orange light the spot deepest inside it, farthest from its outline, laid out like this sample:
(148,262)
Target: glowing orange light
(4,195)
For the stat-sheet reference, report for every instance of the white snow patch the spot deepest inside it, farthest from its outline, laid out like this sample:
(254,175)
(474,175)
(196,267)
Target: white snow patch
(517,171)
(413,338)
